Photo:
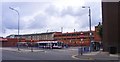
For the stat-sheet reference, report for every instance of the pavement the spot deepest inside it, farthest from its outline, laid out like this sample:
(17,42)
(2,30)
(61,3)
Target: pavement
(98,55)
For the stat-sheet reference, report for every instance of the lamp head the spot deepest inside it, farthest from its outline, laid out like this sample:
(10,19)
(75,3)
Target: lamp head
(83,7)
(11,8)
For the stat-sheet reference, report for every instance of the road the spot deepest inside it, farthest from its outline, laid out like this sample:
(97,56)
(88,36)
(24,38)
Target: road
(53,54)
(47,54)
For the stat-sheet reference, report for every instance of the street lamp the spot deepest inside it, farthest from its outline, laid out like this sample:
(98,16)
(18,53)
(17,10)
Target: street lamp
(31,45)
(81,46)
(89,23)
(80,50)
(18,24)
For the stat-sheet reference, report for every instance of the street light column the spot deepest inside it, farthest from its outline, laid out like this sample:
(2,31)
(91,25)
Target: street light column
(90,27)
(18,25)
(90,33)
(90,18)
(81,47)
(18,29)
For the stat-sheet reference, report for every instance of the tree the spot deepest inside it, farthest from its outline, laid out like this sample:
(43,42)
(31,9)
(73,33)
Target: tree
(100,30)
(100,33)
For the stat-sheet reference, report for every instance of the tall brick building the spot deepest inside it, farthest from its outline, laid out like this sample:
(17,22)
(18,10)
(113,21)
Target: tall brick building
(75,38)
(111,21)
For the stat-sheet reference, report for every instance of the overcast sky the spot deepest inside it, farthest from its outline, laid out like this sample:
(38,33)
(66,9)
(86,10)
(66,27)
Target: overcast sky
(51,15)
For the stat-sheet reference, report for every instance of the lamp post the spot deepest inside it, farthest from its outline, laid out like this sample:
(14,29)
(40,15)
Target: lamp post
(89,23)
(80,50)
(81,47)
(31,45)
(18,24)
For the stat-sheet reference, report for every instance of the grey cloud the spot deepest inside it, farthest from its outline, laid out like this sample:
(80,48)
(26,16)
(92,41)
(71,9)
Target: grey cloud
(81,14)
(71,11)
(95,12)
(9,21)
(68,10)
(39,22)
(95,15)
(52,10)
(9,17)
(11,25)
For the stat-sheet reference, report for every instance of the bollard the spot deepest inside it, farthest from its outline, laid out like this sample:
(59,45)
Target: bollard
(80,51)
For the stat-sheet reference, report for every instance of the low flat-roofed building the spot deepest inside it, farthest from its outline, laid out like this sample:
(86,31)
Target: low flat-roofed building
(36,36)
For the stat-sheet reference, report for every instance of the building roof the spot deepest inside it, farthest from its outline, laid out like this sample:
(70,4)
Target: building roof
(35,34)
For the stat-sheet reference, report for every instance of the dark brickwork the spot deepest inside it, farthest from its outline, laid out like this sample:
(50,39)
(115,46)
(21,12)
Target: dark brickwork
(110,14)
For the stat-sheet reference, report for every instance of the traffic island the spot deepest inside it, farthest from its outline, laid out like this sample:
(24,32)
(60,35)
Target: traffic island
(83,57)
